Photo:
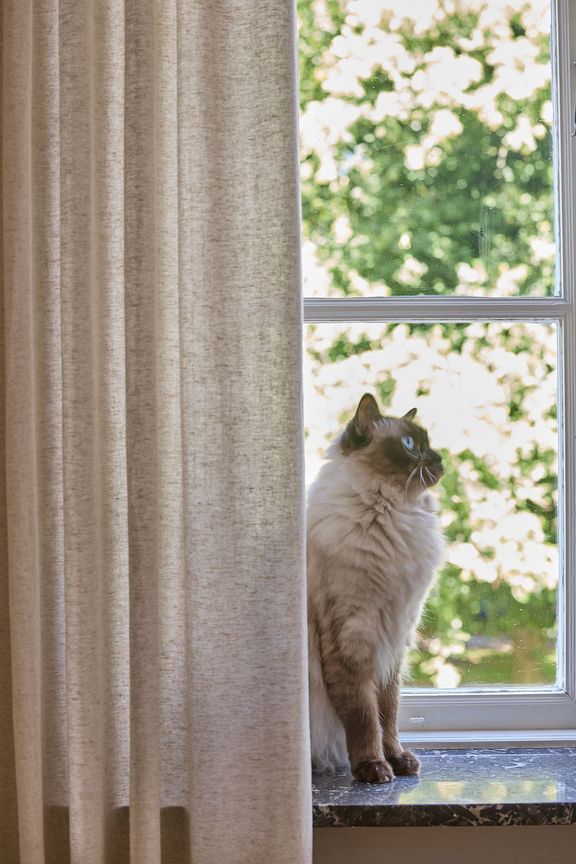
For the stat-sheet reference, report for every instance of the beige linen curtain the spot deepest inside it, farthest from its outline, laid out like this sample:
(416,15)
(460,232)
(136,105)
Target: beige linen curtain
(152,603)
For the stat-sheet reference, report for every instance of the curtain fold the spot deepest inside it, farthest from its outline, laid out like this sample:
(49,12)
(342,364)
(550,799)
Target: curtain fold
(152,597)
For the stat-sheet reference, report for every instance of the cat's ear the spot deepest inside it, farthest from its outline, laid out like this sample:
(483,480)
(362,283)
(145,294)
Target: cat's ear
(367,413)
(410,414)
(359,431)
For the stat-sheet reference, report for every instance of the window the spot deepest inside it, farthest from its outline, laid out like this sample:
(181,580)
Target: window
(438,205)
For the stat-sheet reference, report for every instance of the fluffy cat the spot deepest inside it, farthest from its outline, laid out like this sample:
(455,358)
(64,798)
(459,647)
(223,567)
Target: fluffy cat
(373,543)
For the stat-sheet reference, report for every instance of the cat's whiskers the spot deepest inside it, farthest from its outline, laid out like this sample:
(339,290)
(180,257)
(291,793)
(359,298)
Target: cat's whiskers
(426,477)
(412,473)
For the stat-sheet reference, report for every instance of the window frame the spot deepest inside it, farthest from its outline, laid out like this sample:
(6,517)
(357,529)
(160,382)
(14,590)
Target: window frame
(519,715)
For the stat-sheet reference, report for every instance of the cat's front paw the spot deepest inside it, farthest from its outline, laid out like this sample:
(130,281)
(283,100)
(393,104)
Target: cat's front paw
(405,764)
(373,771)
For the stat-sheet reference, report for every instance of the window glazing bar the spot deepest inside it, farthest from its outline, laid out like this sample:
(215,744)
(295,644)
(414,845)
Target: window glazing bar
(434,309)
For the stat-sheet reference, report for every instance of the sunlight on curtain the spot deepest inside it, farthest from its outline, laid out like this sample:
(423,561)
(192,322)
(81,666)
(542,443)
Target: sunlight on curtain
(152,603)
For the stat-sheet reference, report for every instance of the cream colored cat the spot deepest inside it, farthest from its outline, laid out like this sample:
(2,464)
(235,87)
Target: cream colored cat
(373,543)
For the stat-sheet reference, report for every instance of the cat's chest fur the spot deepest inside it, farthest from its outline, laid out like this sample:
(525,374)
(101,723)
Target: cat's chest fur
(371,560)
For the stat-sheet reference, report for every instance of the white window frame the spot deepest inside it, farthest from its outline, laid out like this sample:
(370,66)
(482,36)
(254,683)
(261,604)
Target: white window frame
(520,715)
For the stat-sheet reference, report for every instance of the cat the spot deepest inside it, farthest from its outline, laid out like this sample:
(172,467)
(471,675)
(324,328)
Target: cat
(373,544)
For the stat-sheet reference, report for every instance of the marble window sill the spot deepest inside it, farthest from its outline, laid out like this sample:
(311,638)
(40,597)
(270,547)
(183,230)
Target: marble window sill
(473,787)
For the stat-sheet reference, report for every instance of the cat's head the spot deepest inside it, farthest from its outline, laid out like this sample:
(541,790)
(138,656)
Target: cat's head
(393,448)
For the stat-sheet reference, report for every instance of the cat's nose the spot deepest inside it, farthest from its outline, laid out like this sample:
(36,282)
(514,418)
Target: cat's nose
(434,458)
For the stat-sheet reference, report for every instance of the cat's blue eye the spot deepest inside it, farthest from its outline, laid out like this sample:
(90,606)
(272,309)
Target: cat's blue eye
(408,442)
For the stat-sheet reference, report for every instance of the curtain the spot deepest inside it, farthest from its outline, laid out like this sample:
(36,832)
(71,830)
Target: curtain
(152,599)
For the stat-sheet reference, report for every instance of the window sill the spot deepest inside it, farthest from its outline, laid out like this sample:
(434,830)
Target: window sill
(468,787)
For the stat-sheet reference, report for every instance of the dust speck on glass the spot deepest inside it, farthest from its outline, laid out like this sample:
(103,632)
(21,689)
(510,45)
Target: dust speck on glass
(427,169)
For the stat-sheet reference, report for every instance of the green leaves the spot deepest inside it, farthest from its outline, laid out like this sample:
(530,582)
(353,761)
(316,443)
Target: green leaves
(436,146)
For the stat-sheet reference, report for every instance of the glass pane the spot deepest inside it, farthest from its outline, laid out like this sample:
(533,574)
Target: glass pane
(487,395)
(426,147)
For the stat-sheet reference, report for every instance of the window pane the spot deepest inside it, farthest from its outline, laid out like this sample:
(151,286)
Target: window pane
(426,147)
(487,395)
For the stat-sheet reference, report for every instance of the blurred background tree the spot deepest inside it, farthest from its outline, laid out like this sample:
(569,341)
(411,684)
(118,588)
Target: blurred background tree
(426,169)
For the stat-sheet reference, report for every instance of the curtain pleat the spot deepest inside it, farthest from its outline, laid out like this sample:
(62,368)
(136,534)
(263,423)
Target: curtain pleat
(152,600)
(142,427)
(8,790)
(22,481)
(45,238)
(237,169)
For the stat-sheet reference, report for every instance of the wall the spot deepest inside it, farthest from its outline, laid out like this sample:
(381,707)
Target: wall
(524,845)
